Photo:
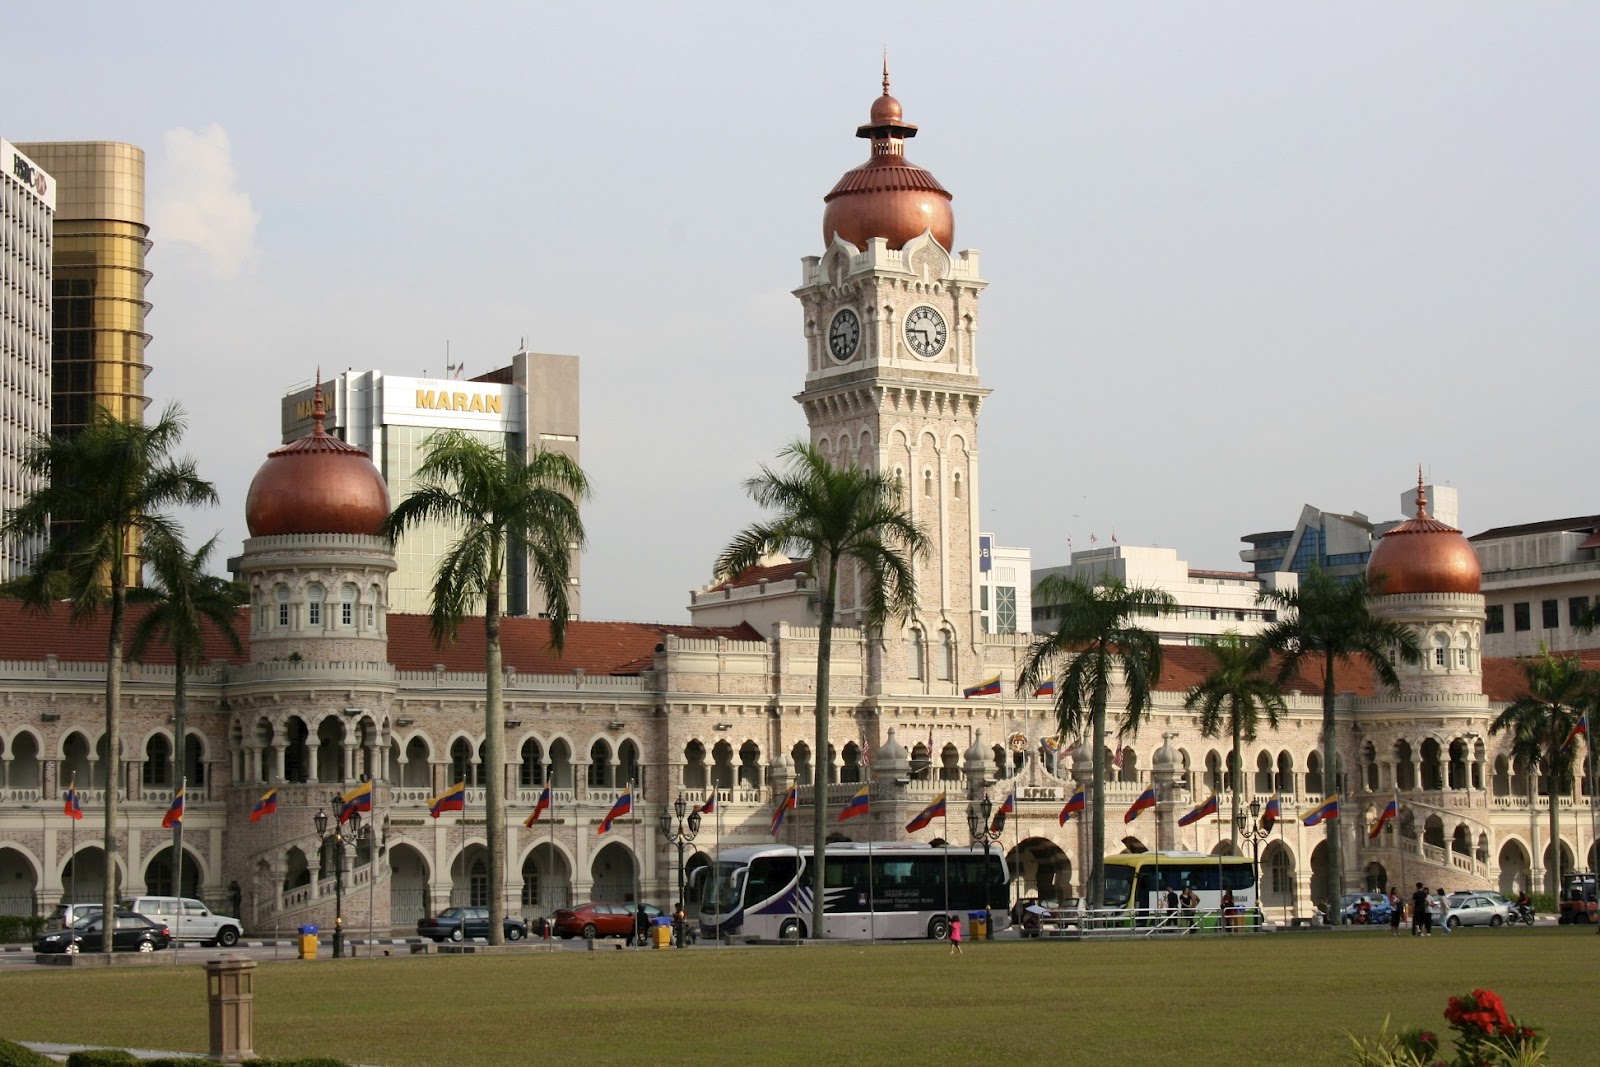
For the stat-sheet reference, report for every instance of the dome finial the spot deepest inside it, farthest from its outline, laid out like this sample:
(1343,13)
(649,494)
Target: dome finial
(318,411)
(885,70)
(1422,495)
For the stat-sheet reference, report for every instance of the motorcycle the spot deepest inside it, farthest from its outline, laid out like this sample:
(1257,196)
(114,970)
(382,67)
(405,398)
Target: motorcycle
(1521,913)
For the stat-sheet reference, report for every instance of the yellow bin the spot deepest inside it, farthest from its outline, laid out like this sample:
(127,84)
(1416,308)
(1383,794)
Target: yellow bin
(308,946)
(661,936)
(978,927)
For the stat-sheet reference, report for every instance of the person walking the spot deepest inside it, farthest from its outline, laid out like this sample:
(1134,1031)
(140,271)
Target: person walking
(1397,911)
(1421,923)
(1227,911)
(1187,903)
(955,937)
(1444,911)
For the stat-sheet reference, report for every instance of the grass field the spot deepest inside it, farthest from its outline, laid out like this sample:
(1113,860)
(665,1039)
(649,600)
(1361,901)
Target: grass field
(1274,999)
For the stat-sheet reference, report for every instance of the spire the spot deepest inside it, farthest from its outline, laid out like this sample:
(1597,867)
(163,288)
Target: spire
(1422,495)
(318,412)
(885,70)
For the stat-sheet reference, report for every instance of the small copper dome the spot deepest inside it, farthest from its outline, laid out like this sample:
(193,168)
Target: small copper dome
(317,485)
(1423,555)
(888,196)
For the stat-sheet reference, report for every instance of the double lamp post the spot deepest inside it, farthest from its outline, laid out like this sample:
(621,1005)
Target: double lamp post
(340,837)
(688,825)
(984,833)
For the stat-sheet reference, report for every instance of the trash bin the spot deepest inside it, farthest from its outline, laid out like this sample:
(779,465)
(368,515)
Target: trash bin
(661,931)
(976,925)
(308,942)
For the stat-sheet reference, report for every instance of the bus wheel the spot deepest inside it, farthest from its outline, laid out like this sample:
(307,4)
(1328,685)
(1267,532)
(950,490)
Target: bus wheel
(939,928)
(791,930)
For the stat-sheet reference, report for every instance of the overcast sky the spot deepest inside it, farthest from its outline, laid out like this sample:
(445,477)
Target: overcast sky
(1243,257)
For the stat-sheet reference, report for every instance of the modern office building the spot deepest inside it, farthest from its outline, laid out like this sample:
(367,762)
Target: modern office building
(27,240)
(1339,544)
(1539,580)
(530,403)
(1209,603)
(98,351)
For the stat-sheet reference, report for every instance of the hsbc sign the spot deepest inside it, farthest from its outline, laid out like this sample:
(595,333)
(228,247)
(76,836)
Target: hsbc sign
(27,173)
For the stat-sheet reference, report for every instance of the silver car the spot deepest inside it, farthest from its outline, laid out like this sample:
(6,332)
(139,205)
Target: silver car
(1478,909)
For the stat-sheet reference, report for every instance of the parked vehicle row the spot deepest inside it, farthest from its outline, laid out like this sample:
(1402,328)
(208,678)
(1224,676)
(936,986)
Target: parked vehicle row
(1476,908)
(186,918)
(460,923)
(132,933)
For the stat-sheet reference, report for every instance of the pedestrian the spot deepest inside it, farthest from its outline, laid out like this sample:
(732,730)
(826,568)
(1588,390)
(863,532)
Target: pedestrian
(1397,911)
(1172,903)
(1227,911)
(1444,911)
(1187,904)
(1421,921)
(641,926)
(955,937)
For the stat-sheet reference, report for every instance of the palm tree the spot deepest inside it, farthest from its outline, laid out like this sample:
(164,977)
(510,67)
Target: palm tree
(495,502)
(105,490)
(1332,618)
(1238,695)
(833,515)
(183,600)
(1558,692)
(1097,639)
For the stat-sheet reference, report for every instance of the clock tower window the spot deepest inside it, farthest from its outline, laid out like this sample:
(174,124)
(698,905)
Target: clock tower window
(914,654)
(956,488)
(927,483)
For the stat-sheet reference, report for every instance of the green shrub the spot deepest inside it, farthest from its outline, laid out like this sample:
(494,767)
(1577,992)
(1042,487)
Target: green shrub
(102,1057)
(14,928)
(1544,903)
(14,1055)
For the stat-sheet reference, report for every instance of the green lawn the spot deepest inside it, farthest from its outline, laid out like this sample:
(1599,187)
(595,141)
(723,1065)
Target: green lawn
(1272,999)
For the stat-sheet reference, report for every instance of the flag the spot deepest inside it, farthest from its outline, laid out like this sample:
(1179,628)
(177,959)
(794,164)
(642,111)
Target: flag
(71,807)
(1007,808)
(452,799)
(1146,800)
(174,814)
(1116,759)
(1200,812)
(1271,814)
(927,815)
(1047,688)
(540,806)
(622,807)
(1579,727)
(1390,810)
(1076,804)
(710,806)
(1328,809)
(784,805)
(267,805)
(357,799)
(983,689)
(859,804)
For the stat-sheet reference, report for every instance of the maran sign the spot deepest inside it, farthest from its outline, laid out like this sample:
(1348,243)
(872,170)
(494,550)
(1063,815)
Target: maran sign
(449,402)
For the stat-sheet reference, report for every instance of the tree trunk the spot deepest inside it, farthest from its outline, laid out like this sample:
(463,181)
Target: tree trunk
(1552,761)
(1238,773)
(180,687)
(1335,864)
(819,756)
(119,595)
(1097,829)
(494,761)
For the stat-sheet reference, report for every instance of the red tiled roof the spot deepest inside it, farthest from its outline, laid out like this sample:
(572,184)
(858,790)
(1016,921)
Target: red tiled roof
(780,572)
(1185,665)
(26,634)
(596,647)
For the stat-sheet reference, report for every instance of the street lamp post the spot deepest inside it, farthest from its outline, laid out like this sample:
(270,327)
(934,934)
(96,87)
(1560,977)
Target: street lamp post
(985,834)
(339,836)
(686,829)
(1253,832)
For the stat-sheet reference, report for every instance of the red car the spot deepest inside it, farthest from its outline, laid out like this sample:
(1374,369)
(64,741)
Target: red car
(600,920)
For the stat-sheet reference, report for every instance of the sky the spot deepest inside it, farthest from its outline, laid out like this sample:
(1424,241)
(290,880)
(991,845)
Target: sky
(1242,256)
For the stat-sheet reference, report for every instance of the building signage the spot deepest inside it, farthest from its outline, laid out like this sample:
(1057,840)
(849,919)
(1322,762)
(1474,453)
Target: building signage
(27,173)
(985,554)
(450,403)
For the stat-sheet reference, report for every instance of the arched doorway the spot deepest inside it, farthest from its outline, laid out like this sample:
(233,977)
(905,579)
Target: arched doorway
(1039,868)
(83,879)
(1514,869)
(615,875)
(1322,887)
(546,881)
(697,880)
(1552,878)
(158,875)
(1277,889)
(19,884)
(469,877)
(1376,878)
(408,885)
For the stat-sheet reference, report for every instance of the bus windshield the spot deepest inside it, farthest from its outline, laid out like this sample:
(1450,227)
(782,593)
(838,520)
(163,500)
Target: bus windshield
(1119,884)
(722,887)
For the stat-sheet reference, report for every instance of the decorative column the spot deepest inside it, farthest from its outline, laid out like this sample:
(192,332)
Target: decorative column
(1165,771)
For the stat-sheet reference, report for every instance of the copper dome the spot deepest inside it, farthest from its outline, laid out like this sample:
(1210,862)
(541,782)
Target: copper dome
(317,485)
(1423,555)
(888,196)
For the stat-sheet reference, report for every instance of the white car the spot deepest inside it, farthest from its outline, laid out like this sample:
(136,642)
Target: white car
(1478,909)
(189,919)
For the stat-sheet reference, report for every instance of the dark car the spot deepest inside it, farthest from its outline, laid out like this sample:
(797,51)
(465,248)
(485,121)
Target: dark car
(1376,913)
(598,919)
(133,933)
(458,924)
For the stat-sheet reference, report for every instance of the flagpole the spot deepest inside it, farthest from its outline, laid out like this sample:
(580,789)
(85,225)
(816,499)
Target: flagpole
(550,784)
(945,815)
(72,788)
(638,865)
(716,886)
(794,897)
(177,890)
(872,904)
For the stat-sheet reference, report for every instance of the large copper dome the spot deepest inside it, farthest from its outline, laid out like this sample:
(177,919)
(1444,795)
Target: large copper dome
(1423,555)
(317,485)
(888,196)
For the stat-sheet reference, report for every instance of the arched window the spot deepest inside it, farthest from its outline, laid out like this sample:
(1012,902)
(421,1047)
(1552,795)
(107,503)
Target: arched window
(314,605)
(800,755)
(750,765)
(1439,643)
(460,762)
(694,765)
(157,760)
(956,485)
(600,765)
(347,606)
(372,607)
(914,654)
(949,764)
(947,655)
(281,593)
(927,483)
(531,772)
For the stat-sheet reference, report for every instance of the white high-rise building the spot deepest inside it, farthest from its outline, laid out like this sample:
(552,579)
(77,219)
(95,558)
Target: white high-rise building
(27,248)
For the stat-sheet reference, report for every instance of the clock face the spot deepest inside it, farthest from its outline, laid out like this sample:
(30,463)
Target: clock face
(925,331)
(844,334)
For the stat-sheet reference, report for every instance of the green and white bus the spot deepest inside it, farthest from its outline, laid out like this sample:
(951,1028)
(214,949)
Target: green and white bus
(1137,884)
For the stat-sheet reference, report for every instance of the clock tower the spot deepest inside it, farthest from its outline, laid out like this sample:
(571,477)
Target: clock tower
(891,321)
